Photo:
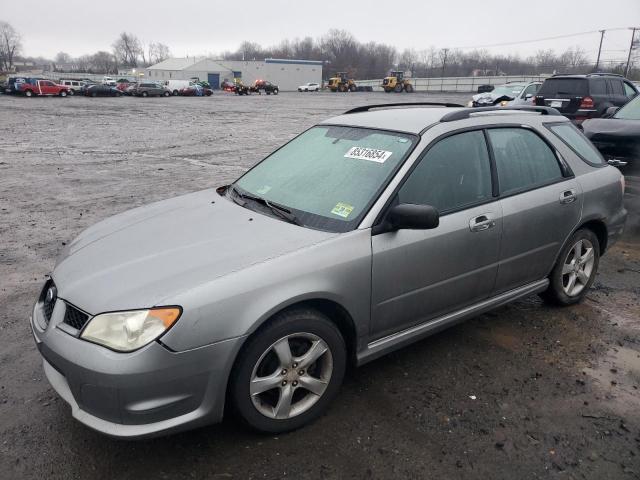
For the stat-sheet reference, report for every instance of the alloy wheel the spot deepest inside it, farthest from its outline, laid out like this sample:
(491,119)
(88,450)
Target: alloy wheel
(578,267)
(291,376)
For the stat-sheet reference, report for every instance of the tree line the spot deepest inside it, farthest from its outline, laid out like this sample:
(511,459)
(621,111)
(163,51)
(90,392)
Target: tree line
(339,50)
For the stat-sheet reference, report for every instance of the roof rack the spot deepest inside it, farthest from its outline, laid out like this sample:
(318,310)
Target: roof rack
(467,112)
(604,74)
(366,108)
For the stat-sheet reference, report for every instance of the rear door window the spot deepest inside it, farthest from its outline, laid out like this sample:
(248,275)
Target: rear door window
(616,87)
(575,140)
(629,90)
(523,160)
(564,86)
(598,86)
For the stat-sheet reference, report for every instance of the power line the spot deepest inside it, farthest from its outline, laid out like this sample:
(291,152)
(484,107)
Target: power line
(557,37)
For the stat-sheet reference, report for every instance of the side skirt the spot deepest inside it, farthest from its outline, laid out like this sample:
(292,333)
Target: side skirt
(392,342)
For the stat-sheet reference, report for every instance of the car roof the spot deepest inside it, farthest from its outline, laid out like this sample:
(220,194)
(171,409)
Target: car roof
(415,120)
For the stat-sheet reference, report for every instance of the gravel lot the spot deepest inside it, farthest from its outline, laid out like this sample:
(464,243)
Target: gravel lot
(527,391)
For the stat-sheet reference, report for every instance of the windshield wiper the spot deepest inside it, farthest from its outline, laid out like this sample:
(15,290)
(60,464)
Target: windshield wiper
(280,210)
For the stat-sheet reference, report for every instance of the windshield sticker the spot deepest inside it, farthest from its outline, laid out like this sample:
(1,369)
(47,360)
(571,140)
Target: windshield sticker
(264,189)
(342,209)
(371,154)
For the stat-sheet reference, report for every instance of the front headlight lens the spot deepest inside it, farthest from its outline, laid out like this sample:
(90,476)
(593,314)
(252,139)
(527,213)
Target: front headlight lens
(128,331)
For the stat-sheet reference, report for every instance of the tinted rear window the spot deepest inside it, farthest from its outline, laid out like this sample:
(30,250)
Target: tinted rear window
(564,86)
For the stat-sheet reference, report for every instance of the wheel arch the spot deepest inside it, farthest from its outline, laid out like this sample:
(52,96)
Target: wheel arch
(599,228)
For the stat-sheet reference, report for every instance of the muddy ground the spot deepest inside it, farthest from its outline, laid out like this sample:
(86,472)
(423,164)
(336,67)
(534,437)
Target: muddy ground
(527,391)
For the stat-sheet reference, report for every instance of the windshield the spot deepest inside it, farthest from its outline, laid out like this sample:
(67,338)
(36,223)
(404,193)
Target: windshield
(631,111)
(508,90)
(330,175)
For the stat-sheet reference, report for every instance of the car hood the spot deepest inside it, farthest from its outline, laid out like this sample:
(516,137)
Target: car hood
(489,97)
(146,256)
(610,127)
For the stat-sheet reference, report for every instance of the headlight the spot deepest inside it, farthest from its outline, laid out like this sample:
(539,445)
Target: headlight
(128,331)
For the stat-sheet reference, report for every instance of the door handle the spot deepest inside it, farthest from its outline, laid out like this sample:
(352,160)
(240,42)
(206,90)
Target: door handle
(482,222)
(568,196)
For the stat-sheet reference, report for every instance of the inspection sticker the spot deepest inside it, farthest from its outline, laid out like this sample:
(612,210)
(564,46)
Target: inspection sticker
(342,209)
(371,154)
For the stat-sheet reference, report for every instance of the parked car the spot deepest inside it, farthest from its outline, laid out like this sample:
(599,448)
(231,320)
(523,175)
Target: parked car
(580,97)
(309,87)
(13,85)
(102,90)
(363,234)
(195,90)
(75,86)
(130,88)
(617,135)
(485,88)
(513,93)
(149,89)
(43,88)
(108,81)
(122,84)
(264,86)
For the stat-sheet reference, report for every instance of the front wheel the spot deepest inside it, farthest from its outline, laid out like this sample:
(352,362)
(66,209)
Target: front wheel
(63,93)
(145,94)
(28,93)
(166,94)
(288,372)
(575,269)
(275,91)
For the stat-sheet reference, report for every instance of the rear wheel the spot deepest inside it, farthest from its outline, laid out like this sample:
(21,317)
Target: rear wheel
(408,88)
(575,270)
(28,93)
(72,92)
(175,93)
(166,94)
(288,372)
(94,94)
(145,94)
(63,93)
(275,91)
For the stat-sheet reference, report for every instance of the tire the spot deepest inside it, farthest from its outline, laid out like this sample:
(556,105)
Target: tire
(408,88)
(72,92)
(28,93)
(63,93)
(119,94)
(94,94)
(397,88)
(175,93)
(145,94)
(352,88)
(302,331)
(275,91)
(166,94)
(571,286)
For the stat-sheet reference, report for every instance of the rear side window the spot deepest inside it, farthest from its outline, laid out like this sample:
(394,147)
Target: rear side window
(575,140)
(453,174)
(598,87)
(616,87)
(629,91)
(564,86)
(523,160)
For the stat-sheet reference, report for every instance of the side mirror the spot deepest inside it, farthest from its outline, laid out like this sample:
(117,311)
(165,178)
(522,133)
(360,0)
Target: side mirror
(413,217)
(528,96)
(610,112)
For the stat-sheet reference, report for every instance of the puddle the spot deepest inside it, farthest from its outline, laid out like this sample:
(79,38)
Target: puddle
(617,374)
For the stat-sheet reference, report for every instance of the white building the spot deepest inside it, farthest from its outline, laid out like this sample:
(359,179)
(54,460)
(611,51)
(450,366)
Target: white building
(287,74)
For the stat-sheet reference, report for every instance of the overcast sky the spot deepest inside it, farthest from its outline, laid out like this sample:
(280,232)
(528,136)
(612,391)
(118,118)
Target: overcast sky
(193,27)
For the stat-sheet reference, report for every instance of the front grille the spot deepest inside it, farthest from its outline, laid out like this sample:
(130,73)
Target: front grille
(74,317)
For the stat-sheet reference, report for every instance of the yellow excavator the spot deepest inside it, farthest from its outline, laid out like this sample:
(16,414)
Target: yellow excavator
(396,82)
(341,83)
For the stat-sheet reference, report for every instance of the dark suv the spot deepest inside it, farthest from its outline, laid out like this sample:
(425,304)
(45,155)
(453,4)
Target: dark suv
(580,97)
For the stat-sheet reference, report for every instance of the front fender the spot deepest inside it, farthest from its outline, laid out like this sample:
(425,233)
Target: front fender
(338,269)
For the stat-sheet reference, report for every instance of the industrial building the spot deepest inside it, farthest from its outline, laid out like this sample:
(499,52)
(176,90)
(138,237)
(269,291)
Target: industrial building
(287,74)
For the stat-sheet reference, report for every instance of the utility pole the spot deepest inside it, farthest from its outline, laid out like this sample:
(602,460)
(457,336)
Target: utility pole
(633,37)
(600,49)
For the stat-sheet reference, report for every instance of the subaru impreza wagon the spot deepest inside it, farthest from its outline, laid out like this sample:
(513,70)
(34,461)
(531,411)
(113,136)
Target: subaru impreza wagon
(365,233)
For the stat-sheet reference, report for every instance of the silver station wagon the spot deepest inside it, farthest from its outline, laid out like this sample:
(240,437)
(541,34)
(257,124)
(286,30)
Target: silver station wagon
(365,233)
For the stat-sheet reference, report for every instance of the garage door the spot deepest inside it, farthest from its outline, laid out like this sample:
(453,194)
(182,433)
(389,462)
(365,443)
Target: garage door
(214,80)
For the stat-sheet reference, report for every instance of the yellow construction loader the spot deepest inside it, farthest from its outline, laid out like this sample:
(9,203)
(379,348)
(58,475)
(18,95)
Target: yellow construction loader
(341,83)
(397,83)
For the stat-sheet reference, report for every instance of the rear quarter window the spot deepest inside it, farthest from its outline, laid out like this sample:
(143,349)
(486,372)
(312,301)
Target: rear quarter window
(564,86)
(577,142)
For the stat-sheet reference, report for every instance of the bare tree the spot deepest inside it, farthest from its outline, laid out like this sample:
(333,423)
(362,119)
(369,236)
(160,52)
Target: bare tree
(158,52)
(10,45)
(103,62)
(574,58)
(128,49)
(62,57)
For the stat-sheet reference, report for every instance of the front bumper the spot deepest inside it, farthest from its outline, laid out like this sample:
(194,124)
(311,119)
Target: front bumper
(145,393)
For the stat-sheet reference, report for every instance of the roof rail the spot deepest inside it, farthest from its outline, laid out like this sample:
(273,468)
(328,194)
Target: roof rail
(366,108)
(604,74)
(467,112)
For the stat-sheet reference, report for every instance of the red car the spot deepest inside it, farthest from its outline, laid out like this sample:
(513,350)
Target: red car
(43,87)
(191,91)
